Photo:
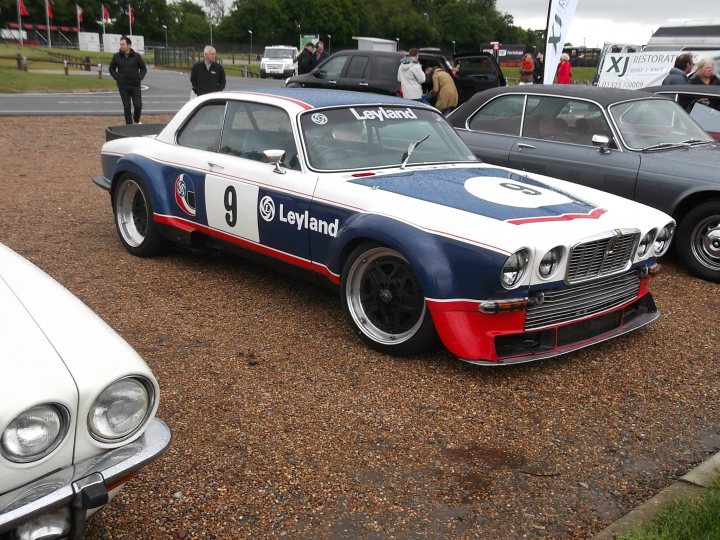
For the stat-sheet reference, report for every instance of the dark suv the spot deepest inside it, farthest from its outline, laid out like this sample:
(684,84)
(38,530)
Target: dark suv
(475,72)
(369,71)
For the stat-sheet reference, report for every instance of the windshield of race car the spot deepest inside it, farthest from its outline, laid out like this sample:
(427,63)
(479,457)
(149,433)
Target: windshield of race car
(656,125)
(378,136)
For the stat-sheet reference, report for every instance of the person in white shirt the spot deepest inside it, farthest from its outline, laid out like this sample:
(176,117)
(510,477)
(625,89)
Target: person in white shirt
(411,76)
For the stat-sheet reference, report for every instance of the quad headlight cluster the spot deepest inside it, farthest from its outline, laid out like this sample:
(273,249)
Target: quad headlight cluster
(517,264)
(118,412)
(659,241)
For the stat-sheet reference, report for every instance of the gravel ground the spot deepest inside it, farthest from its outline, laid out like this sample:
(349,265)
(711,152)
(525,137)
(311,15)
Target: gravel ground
(285,425)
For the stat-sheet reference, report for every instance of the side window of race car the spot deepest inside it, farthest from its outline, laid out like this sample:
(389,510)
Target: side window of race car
(251,128)
(203,129)
(501,115)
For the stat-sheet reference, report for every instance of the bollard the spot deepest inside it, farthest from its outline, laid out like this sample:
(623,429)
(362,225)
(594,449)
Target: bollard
(99,71)
(244,71)
(66,67)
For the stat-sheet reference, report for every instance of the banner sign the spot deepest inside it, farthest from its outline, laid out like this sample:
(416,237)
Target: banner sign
(640,69)
(560,13)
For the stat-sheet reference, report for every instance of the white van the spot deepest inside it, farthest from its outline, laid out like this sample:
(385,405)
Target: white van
(279,61)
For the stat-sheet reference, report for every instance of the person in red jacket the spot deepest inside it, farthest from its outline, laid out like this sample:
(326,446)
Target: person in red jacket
(564,71)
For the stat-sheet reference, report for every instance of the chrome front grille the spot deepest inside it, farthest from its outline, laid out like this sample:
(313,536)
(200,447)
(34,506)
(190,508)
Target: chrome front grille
(579,301)
(601,257)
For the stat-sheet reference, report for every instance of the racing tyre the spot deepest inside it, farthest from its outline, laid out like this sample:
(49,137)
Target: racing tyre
(698,240)
(134,218)
(383,300)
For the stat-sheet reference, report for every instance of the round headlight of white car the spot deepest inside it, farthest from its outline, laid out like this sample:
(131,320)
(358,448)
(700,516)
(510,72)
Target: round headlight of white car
(550,262)
(514,268)
(646,242)
(120,410)
(34,433)
(662,240)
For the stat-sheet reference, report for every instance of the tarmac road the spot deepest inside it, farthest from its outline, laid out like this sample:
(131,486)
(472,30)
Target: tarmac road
(164,92)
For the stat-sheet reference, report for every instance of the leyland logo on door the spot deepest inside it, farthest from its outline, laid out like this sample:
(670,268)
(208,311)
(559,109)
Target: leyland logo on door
(299,220)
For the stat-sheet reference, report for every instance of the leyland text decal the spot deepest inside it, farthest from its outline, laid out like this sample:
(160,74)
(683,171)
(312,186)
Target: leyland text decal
(298,220)
(382,113)
(185,194)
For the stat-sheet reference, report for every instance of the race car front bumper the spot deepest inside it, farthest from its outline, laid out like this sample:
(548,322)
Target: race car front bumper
(56,505)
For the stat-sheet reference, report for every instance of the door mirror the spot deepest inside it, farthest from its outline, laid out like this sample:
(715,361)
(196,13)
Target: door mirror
(603,141)
(275,156)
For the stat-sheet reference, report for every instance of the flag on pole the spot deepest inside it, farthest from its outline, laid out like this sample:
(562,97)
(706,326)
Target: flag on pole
(560,13)
(22,9)
(49,9)
(105,14)
(132,15)
(78,10)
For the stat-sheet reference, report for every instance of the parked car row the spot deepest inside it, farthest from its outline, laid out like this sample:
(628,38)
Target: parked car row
(546,246)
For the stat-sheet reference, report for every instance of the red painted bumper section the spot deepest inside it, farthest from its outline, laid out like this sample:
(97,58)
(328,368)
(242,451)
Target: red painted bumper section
(500,338)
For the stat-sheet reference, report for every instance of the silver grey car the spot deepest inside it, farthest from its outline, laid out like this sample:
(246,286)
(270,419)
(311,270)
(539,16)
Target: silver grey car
(630,143)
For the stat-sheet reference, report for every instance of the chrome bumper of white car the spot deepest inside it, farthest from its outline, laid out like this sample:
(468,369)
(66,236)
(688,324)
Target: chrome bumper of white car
(66,495)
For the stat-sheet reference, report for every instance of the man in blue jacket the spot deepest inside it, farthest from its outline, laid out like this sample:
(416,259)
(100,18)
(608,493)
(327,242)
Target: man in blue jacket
(128,70)
(679,74)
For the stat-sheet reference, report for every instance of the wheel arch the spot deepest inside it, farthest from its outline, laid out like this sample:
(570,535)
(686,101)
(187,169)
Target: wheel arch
(436,260)
(146,170)
(691,200)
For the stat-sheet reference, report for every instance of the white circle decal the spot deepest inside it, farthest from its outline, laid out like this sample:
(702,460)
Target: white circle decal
(319,118)
(267,208)
(509,192)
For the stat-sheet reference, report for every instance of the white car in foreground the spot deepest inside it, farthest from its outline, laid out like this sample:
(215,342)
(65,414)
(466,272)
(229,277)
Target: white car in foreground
(77,407)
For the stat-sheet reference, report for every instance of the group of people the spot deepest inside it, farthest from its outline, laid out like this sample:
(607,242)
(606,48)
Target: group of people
(311,56)
(128,69)
(680,73)
(532,69)
(411,76)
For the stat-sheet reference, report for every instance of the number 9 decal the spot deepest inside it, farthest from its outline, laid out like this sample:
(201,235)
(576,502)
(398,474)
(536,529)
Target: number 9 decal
(231,206)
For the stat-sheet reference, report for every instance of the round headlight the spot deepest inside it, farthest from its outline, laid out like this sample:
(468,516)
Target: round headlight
(120,410)
(550,262)
(662,240)
(645,243)
(35,433)
(514,268)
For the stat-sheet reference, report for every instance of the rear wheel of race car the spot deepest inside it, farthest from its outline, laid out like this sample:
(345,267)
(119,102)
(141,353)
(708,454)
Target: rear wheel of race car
(134,217)
(698,240)
(384,302)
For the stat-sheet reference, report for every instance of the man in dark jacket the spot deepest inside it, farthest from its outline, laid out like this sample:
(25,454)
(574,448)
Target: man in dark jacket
(207,75)
(679,73)
(320,53)
(128,69)
(306,61)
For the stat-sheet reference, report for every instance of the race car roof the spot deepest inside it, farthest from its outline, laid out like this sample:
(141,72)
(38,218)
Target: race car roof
(324,98)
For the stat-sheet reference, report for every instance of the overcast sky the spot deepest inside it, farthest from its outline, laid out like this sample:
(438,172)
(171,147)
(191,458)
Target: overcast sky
(619,21)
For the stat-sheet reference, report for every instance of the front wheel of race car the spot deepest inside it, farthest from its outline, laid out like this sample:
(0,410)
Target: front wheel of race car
(698,240)
(384,302)
(134,217)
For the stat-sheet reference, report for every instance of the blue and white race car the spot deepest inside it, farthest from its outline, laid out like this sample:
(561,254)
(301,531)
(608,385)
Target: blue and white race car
(379,196)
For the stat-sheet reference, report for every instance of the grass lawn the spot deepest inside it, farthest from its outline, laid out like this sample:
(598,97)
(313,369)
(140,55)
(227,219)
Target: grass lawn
(12,80)
(697,518)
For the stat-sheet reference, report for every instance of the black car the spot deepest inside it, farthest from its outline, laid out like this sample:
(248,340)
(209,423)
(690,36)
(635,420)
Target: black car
(627,142)
(701,101)
(369,71)
(475,72)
